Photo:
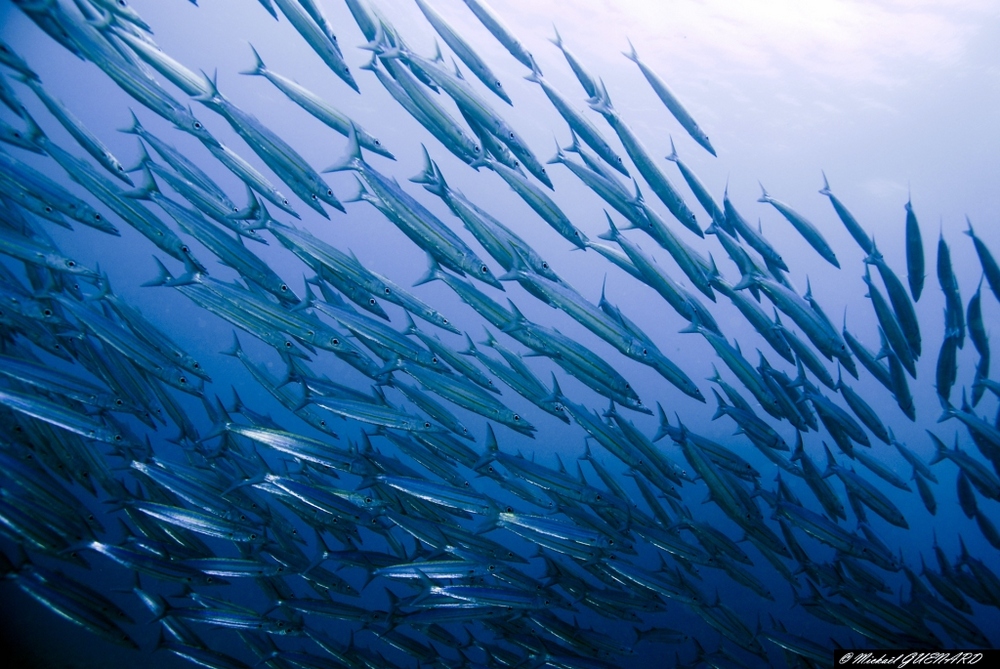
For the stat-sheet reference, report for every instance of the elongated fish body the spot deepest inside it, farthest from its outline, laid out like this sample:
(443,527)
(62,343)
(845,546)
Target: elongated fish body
(805,228)
(890,326)
(464,51)
(179,162)
(900,388)
(333,265)
(177,74)
(59,415)
(947,367)
(498,240)
(906,315)
(133,81)
(320,41)
(645,164)
(754,239)
(820,486)
(230,251)
(588,82)
(80,133)
(489,18)
(415,220)
(414,99)
(671,102)
(651,274)
(316,106)
(519,377)
(991,270)
(204,203)
(470,102)
(869,360)
(22,248)
(863,411)
(914,253)
(275,152)
(578,123)
(453,358)
(847,218)
(954,311)
(543,205)
(734,359)
(610,191)
(697,187)
(977,333)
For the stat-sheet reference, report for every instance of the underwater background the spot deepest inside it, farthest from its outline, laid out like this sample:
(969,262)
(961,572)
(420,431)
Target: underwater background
(892,102)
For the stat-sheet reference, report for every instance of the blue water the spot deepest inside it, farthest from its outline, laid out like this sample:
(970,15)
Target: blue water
(887,100)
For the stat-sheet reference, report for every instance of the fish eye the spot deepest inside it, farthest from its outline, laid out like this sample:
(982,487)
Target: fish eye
(208,579)
(323,423)
(378,143)
(644,351)
(285,202)
(288,344)
(427,425)
(627,386)
(284,287)
(197,125)
(499,85)
(329,191)
(48,210)
(598,498)
(371,301)
(71,263)
(313,196)
(197,366)
(47,312)
(484,269)
(444,320)
(545,265)
(183,380)
(97,217)
(121,169)
(336,341)
(516,417)
(388,291)
(185,249)
(434,360)
(253,536)
(368,500)
(512,134)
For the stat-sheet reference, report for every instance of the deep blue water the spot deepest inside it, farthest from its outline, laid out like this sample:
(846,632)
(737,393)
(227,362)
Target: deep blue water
(886,100)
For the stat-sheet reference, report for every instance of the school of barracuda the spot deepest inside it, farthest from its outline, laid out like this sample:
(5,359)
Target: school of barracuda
(484,556)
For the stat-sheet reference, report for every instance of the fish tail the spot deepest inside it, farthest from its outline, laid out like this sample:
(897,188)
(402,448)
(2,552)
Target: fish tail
(664,428)
(470,346)
(163,277)
(825,190)
(673,151)
(492,449)
(560,157)
(601,102)
(631,55)
(764,197)
(536,73)
(612,234)
(146,188)
(431,177)
(557,40)
(433,272)
(352,158)
(259,69)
